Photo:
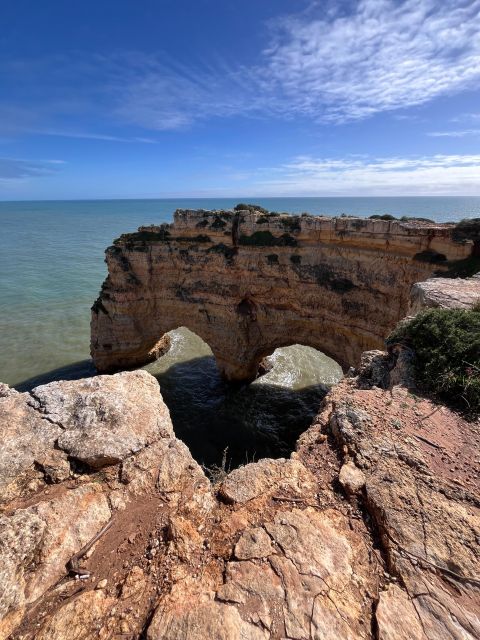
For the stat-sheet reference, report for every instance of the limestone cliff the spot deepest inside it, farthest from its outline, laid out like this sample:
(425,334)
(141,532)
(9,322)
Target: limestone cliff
(249,282)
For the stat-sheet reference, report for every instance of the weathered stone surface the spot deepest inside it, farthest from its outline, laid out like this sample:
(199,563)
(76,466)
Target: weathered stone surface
(289,556)
(80,619)
(211,620)
(36,543)
(105,419)
(446,293)
(247,283)
(25,435)
(265,477)
(422,493)
(315,584)
(184,537)
(71,520)
(253,543)
(351,478)
(20,536)
(397,617)
(168,468)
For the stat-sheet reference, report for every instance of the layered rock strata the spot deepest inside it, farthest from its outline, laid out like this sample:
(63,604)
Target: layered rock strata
(369,530)
(249,282)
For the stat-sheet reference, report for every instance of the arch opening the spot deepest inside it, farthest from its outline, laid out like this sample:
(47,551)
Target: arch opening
(249,421)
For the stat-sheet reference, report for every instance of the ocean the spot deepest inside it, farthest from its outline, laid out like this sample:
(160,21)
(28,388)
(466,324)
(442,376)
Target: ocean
(51,270)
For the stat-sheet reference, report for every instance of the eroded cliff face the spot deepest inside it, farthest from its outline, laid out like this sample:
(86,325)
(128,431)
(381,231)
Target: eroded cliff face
(248,283)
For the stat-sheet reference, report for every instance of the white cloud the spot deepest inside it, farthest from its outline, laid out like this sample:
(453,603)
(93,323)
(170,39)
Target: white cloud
(426,175)
(455,134)
(325,64)
(20,169)
(85,135)
(386,55)
(334,62)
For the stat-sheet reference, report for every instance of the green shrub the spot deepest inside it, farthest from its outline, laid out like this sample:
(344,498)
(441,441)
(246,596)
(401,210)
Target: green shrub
(467,229)
(385,216)
(267,239)
(250,207)
(292,223)
(218,223)
(446,344)
(461,268)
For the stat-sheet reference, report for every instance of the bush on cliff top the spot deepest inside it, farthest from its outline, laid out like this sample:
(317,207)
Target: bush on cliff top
(250,207)
(446,343)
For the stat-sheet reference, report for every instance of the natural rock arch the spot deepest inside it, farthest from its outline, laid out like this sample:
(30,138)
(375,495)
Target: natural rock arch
(249,282)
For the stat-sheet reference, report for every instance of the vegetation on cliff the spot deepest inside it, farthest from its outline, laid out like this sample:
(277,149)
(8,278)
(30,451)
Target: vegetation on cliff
(446,343)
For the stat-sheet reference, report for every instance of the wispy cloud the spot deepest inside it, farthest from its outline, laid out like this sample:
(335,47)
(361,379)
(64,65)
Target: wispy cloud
(19,169)
(333,63)
(464,133)
(383,56)
(466,117)
(85,135)
(426,175)
(324,64)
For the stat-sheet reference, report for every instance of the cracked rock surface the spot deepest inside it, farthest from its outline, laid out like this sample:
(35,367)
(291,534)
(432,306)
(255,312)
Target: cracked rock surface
(369,530)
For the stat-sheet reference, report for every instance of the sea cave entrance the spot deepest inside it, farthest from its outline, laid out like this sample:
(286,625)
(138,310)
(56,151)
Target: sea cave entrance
(248,421)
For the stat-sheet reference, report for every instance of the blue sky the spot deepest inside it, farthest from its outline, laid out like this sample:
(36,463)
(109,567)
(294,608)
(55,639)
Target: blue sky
(165,98)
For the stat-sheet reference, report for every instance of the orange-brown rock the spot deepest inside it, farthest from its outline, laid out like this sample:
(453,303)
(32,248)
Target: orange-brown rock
(369,530)
(247,283)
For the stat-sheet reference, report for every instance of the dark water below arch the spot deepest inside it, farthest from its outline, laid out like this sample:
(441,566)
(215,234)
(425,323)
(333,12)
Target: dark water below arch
(261,419)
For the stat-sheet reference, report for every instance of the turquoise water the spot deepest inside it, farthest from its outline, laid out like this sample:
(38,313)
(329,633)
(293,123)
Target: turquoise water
(51,269)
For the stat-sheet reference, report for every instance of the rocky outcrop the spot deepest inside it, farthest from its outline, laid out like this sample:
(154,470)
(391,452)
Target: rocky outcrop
(369,530)
(85,450)
(445,293)
(249,282)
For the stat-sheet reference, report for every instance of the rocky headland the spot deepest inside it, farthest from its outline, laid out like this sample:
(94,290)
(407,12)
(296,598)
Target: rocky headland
(369,530)
(248,282)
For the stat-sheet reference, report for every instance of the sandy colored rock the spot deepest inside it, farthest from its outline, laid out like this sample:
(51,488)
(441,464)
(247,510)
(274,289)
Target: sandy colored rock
(105,419)
(397,617)
(71,520)
(168,467)
(315,584)
(247,283)
(25,435)
(422,483)
(446,293)
(54,464)
(211,620)
(184,538)
(253,543)
(20,537)
(351,478)
(80,619)
(266,477)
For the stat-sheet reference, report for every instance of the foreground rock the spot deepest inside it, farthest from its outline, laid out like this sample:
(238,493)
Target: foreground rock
(54,500)
(369,530)
(421,471)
